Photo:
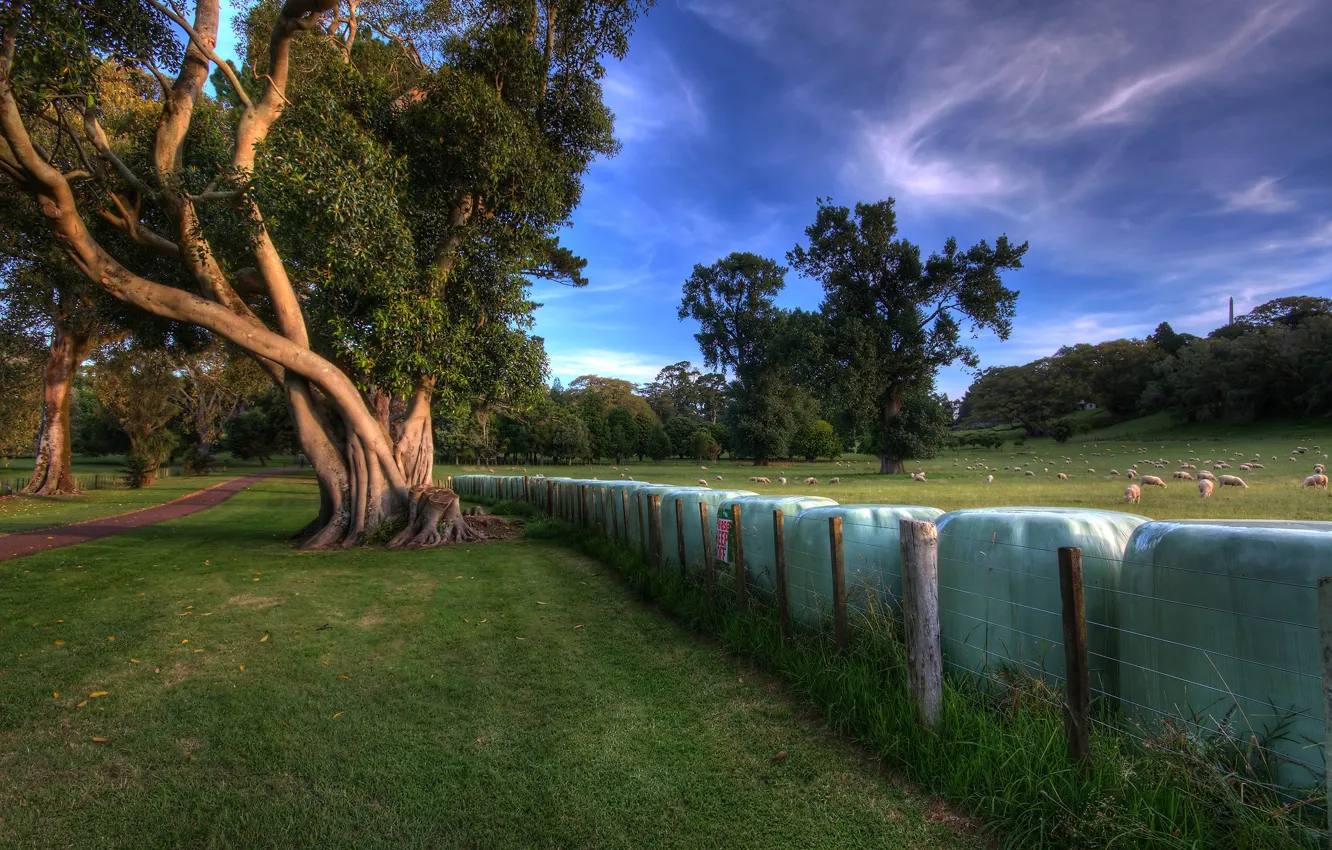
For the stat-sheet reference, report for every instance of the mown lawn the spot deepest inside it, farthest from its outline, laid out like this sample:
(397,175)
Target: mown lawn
(24,513)
(504,695)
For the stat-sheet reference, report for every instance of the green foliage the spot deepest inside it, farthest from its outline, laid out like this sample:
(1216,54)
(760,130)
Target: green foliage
(681,430)
(921,430)
(682,390)
(146,456)
(702,446)
(817,440)
(658,443)
(1060,430)
(893,318)
(263,429)
(623,433)
(22,357)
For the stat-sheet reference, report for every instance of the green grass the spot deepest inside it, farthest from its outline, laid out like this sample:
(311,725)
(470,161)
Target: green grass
(1000,751)
(510,694)
(25,513)
(1273,492)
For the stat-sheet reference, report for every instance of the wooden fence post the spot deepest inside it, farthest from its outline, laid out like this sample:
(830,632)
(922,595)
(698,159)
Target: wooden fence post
(655,548)
(638,521)
(624,515)
(779,552)
(550,498)
(527,489)
(919,542)
(1325,643)
(1077,701)
(841,631)
(679,534)
(585,505)
(708,542)
(737,532)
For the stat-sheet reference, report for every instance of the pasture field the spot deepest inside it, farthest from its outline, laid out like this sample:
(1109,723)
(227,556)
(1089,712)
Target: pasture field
(1273,493)
(201,683)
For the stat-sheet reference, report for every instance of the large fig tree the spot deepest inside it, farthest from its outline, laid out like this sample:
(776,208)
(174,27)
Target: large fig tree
(359,222)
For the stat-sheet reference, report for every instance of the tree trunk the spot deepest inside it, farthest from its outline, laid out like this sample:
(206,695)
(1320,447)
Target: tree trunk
(435,518)
(415,443)
(51,474)
(891,409)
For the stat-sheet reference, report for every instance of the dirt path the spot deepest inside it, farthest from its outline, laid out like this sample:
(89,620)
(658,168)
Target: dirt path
(28,542)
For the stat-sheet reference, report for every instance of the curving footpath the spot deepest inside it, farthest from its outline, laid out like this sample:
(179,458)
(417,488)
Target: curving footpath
(30,542)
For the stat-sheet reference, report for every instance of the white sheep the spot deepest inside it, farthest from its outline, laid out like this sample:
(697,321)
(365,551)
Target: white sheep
(719,478)
(1114,472)
(704,468)
(1319,469)
(1132,494)
(1205,487)
(917,476)
(1131,474)
(1181,475)
(1029,472)
(1318,480)
(702,482)
(1152,481)
(1063,476)
(782,479)
(1091,471)
(1204,475)
(811,480)
(834,481)
(989,479)
(1233,481)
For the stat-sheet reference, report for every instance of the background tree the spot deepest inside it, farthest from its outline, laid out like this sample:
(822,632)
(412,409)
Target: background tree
(138,388)
(922,428)
(623,434)
(702,446)
(895,318)
(817,440)
(659,443)
(22,355)
(733,302)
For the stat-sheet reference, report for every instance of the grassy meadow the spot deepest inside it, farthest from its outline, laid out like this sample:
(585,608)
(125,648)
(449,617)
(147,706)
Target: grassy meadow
(201,683)
(1273,491)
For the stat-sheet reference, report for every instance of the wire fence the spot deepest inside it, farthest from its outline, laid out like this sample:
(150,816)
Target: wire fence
(1218,661)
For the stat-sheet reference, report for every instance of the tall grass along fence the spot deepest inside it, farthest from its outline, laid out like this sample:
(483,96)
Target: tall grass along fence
(1189,652)
(11,484)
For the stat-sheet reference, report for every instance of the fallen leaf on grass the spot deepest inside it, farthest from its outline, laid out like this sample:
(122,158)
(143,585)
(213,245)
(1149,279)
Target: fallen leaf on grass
(97,739)
(185,641)
(521,638)
(780,756)
(264,638)
(336,716)
(82,704)
(110,637)
(479,622)
(134,661)
(60,643)
(96,694)
(55,695)
(157,669)
(198,650)
(242,668)
(540,602)
(579,626)
(344,677)
(60,621)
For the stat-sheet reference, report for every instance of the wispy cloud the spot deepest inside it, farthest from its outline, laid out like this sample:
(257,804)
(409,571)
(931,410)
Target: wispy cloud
(1261,196)
(653,97)
(628,365)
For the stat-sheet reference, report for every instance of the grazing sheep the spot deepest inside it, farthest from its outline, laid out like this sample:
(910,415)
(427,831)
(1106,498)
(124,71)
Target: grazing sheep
(1114,472)
(1092,471)
(719,478)
(1063,476)
(704,468)
(1029,472)
(1132,494)
(1204,475)
(628,477)
(917,476)
(1246,467)
(1152,481)
(782,480)
(1315,481)
(811,480)
(1183,476)
(989,479)
(1233,481)
(702,482)
(1319,469)
(1205,487)
(834,481)
(1131,474)
(1256,465)
(765,480)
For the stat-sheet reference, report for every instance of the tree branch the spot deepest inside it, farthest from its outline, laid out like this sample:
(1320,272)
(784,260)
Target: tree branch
(93,129)
(206,49)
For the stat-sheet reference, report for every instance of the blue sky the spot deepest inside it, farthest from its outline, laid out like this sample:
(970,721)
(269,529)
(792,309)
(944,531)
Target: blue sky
(1159,156)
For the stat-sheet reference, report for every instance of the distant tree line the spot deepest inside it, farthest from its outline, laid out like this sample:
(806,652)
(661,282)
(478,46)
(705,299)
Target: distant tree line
(1274,361)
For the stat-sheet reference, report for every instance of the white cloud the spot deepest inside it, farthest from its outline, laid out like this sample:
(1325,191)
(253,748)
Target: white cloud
(628,365)
(650,95)
(1261,196)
